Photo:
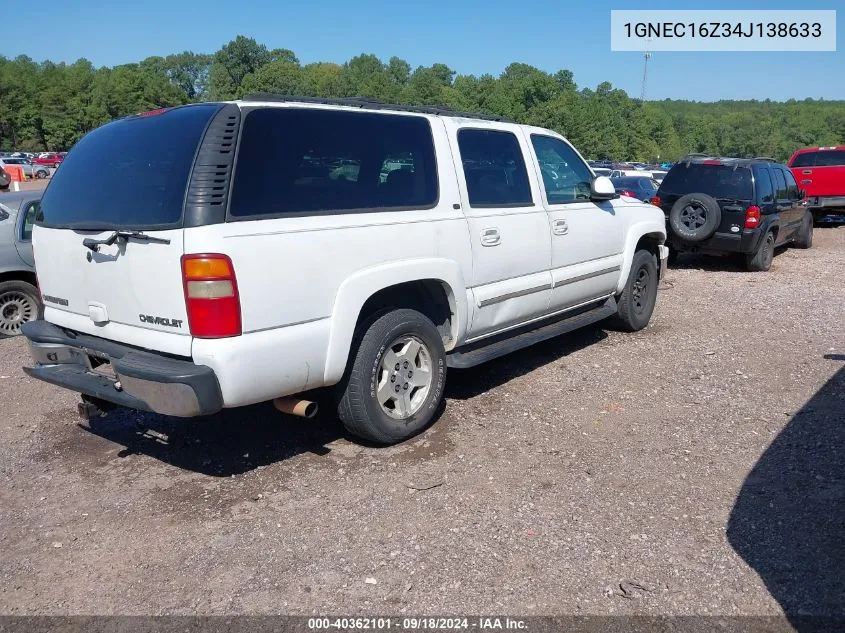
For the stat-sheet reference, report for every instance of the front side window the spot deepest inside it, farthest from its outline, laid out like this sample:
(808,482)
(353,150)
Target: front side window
(565,176)
(494,169)
(299,160)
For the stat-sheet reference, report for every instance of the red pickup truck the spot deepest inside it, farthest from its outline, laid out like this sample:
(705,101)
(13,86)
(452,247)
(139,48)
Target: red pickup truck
(820,172)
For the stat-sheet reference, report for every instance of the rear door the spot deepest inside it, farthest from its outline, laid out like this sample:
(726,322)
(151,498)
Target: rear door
(125,177)
(794,212)
(508,227)
(786,206)
(820,172)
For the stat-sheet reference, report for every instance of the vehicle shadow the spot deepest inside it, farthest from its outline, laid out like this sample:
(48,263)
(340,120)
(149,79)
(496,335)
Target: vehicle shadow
(231,442)
(463,384)
(720,263)
(788,522)
(236,441)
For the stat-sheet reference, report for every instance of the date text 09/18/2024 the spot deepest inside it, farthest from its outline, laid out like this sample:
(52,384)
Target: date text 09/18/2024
(417,624)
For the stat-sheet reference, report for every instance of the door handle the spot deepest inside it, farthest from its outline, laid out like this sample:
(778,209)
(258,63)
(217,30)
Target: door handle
(490,237)
(559,227)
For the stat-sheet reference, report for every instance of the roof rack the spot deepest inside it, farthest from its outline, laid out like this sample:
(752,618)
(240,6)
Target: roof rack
(765,158)
(373,104)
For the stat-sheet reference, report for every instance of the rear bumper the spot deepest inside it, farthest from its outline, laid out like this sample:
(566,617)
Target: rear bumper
(744,242)
(142,380)
(829,203)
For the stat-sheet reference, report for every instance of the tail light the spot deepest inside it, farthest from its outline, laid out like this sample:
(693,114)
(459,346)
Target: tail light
(656,201)
(752,217)
(627,192)
(211,296)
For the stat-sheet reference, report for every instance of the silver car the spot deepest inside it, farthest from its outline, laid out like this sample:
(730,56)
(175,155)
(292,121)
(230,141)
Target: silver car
(20,300)
(29,170)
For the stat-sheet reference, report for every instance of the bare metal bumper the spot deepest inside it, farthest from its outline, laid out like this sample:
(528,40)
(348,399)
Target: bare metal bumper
(142,380)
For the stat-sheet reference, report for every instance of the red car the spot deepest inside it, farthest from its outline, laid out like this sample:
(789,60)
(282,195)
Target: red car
(49,159)
(820,172)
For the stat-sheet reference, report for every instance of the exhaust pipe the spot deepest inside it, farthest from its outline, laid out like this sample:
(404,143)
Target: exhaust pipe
(295,406)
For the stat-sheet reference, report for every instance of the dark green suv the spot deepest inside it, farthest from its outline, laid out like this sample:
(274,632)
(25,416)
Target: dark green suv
(745,206)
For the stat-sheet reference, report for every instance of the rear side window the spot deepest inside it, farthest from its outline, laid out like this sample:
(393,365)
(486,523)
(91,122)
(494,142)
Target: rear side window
(302,161)
(494,169)
(807,159)
(765,190)
(791,186)
(131,173)
(780,185)
(719,181)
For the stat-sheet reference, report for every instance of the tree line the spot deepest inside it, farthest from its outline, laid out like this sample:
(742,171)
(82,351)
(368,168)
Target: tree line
(49,106)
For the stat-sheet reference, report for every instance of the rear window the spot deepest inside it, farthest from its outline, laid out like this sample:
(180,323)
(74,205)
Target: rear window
(822,158)
(304,161)
(719,181)
(131,173)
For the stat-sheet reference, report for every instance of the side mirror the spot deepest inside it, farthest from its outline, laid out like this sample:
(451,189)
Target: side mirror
(602,189)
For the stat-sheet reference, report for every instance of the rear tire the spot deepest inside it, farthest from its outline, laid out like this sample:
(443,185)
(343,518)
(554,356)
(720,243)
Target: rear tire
(761,259)
(635,304)
(394,386)
(20,303)
(805,235)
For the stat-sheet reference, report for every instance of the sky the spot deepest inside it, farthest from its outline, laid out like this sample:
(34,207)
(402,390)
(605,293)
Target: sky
(470,36)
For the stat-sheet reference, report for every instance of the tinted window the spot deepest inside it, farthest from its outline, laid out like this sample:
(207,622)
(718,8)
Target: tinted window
(807,159)
(565,176)
(765,190)
(830,158)
(31,210)
(791,186)
(719,181)
(780,184)
(130,173)
(494,168)
(297,160)
(634,182)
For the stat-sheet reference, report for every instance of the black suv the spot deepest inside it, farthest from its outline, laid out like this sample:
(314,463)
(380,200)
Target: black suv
(746,206)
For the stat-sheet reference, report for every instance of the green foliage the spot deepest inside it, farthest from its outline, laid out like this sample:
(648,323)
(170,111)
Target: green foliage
(50,106)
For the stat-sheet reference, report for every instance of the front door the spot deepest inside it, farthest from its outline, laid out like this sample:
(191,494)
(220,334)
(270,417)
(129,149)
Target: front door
(587,237)
(509,230)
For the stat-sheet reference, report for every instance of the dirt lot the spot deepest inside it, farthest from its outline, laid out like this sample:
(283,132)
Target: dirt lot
(695,467)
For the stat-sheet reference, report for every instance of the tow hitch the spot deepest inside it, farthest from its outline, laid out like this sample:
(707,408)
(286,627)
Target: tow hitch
(90,407)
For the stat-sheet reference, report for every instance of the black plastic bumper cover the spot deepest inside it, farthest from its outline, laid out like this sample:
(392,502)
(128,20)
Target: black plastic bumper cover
(131,365)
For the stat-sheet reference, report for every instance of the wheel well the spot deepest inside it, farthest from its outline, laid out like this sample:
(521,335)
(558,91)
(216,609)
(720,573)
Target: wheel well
(430,297)
(650,242)
(19,275)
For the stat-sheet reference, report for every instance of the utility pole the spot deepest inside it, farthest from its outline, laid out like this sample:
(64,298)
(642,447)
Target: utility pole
(646,57)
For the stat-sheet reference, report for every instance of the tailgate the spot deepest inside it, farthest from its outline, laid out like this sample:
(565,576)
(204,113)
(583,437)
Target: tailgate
(130,291)
(123,190)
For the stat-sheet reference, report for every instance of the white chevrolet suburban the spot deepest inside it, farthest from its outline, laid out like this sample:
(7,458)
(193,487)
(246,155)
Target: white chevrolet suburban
(223,254)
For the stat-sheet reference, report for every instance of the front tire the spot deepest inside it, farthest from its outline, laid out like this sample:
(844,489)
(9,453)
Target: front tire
(394,387)
(635,304)
(19,303)
(761,259)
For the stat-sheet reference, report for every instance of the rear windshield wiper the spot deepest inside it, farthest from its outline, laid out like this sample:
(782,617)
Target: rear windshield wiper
(122,236)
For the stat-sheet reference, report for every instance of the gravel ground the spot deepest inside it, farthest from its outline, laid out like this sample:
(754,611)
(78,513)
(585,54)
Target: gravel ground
(697,467)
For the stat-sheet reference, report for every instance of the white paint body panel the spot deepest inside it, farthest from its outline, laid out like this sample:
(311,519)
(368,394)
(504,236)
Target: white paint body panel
(303,280)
